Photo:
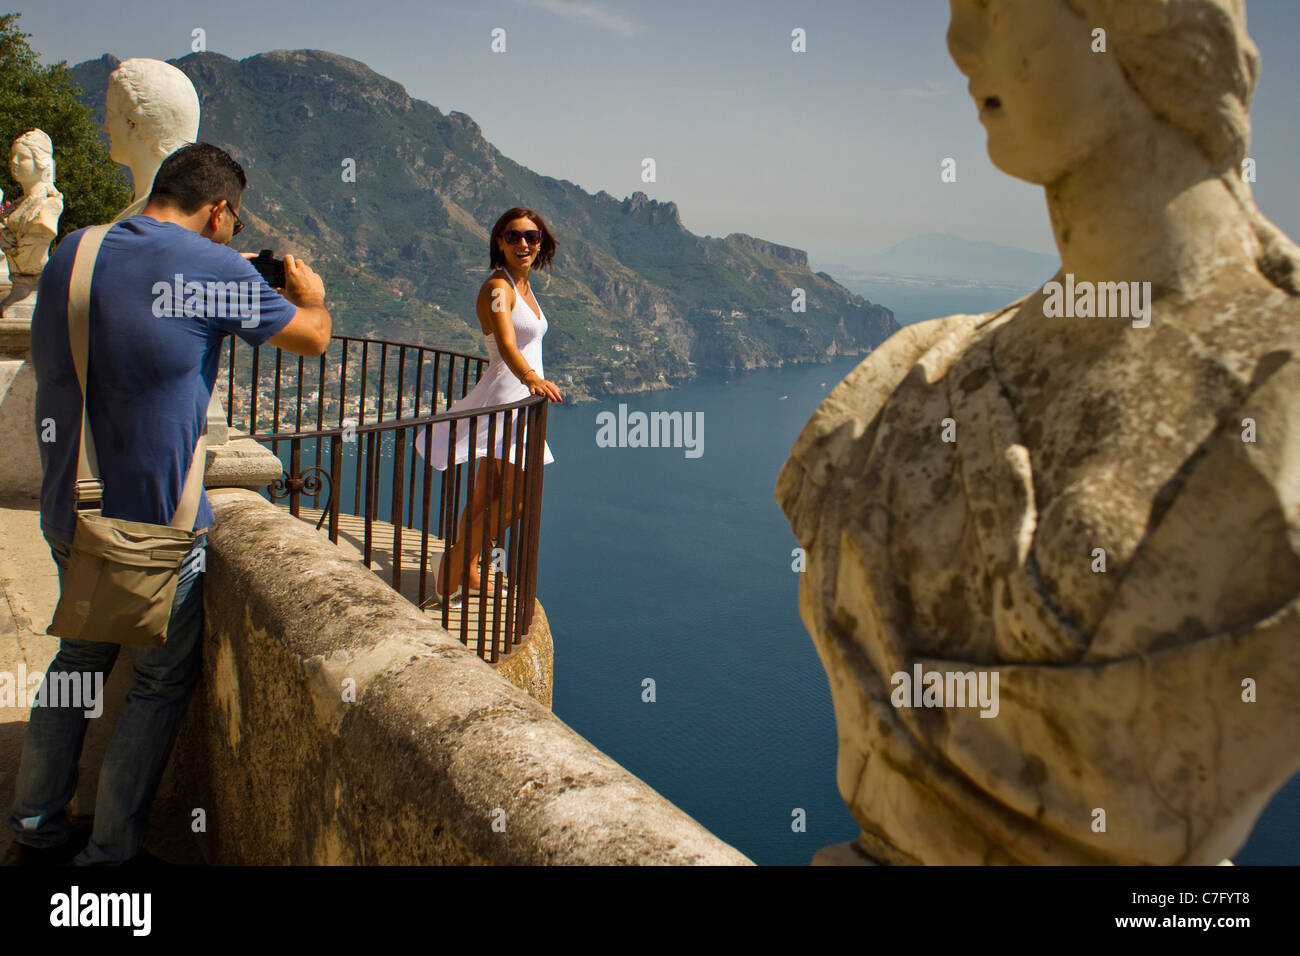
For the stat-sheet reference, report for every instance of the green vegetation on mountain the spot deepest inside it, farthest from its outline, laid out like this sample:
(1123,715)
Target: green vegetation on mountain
(634,302)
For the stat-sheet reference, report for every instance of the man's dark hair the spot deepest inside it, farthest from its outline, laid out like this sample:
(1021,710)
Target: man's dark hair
(196,176)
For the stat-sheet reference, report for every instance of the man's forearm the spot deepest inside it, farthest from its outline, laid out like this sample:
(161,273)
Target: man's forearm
(323,319)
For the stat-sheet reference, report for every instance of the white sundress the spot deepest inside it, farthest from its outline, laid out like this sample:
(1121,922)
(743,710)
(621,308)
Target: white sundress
(498,386)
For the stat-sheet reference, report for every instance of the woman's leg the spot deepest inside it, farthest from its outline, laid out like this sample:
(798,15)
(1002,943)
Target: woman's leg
(471,533)
(485,503)
(507,478)
(486,492)
(510,480)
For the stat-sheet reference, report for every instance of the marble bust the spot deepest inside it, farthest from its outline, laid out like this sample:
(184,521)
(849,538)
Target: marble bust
(1102,510)
(151,111)
(33,222)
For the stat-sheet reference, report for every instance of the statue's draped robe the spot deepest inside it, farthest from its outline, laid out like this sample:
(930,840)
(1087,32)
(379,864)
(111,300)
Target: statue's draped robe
(34,223)
(1124,696)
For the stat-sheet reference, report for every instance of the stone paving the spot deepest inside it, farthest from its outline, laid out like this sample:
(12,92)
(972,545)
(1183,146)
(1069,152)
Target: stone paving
(29,589)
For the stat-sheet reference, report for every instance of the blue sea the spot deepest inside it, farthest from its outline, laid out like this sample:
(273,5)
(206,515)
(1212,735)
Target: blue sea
(678,570)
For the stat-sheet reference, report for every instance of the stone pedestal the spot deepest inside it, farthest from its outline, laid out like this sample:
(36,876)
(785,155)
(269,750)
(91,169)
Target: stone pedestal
(19,303)
(20,466)
(240,462)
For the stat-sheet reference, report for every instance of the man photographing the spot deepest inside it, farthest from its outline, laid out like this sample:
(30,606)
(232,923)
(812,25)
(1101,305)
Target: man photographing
(152,367)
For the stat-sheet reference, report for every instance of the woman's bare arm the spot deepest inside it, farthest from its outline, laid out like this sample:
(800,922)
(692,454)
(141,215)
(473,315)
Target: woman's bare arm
(495,306)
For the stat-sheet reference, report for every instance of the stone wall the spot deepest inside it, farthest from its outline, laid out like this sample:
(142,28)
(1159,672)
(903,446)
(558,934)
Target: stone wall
(434,759)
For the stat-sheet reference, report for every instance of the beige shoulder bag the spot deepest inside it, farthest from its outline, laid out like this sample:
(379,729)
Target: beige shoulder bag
(121,576)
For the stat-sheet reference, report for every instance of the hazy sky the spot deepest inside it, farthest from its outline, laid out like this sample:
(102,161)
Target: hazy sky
(835,150)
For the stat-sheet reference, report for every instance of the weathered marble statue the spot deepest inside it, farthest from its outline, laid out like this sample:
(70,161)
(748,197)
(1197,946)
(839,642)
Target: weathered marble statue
(1113,526)
(31,225)
(151,111)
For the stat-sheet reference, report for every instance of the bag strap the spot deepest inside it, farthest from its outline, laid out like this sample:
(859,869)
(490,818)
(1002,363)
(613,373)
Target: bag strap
(89,486)
(188,507)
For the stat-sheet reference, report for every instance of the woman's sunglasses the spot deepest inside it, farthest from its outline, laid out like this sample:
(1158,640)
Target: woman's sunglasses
(531,236)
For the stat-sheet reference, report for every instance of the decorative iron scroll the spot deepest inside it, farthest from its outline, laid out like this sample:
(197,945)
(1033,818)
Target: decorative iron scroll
(305,483)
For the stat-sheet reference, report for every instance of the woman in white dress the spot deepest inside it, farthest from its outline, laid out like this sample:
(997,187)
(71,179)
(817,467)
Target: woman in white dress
(513,325)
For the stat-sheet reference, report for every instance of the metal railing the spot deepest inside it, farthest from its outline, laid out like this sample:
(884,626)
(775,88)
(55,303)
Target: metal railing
(404,390)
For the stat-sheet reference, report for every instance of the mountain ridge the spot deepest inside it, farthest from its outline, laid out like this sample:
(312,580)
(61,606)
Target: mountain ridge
(638,301)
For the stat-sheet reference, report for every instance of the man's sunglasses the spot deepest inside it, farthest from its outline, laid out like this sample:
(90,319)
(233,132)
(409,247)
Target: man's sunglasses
(239,225)
(531,236)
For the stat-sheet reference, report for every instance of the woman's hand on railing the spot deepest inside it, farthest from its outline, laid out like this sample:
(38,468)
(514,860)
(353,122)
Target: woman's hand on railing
(540,386)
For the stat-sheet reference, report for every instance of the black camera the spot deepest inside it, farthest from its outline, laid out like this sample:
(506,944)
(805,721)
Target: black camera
(269,268)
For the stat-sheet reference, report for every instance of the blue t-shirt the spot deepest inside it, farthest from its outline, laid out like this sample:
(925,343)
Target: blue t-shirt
(152,364)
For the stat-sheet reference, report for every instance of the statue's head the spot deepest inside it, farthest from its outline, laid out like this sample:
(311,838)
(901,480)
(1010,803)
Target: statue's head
(1050,98)
(32,159)
(151,111)
(1050,103)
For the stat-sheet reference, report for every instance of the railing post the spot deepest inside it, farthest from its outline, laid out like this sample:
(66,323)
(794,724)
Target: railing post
(485,543)
(252,398)
(427,494)
(544,409)
(336,479)
(383,380)
(275,408)
(470,461)
(447,516)
(343,383)
(361,420)
(320,412)
(515,559)
(230,388)
(504,501)
(295,470)
(401,394)
(399,462)
(535,512)
(370,490)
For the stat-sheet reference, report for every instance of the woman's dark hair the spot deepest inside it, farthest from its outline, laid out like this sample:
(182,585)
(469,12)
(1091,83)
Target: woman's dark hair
(544,254)
(196,175)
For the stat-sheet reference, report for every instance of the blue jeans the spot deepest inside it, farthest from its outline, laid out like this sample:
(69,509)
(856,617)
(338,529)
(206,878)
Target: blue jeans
(142,740)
